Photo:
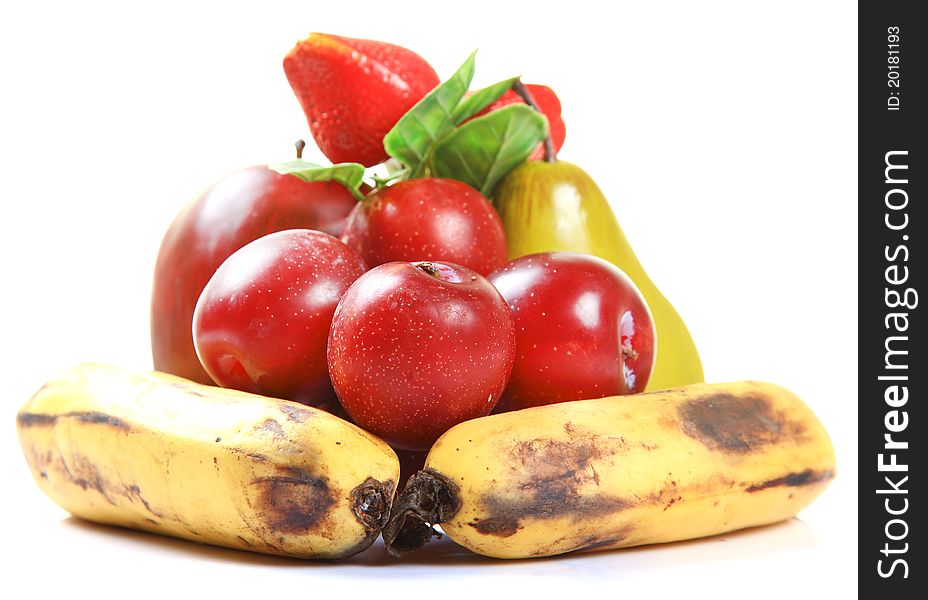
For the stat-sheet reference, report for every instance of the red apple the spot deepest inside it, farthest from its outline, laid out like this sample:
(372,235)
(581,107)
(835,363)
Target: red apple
(428,219)
(583,330)
(262,322)
(239,209)
(416,348)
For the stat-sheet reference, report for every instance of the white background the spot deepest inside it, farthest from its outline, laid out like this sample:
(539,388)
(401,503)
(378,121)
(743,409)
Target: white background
(724,134)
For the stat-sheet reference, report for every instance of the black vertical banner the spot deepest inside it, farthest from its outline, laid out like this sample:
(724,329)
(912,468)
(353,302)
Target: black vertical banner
(893,372)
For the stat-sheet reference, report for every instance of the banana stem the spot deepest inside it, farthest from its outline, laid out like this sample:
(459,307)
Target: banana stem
(519,88)
(428,499)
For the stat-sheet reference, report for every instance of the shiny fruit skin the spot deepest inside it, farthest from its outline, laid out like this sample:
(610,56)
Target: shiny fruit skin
(238,209)
(428,219)
(416,348)
(558,207)
(583,330)
(550,106)
(262,322)
(354,91)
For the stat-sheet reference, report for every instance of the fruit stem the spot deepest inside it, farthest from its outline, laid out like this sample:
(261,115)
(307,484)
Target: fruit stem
(382,182)
(429,269)
(428,499)
(519,88)
(370,503)
(300,144)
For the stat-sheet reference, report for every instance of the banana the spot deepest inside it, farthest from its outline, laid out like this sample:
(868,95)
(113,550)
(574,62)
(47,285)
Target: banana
(622,471)
(162,454)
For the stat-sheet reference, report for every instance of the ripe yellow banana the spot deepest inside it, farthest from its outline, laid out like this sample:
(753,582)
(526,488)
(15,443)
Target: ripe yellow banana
(162,454)
(621,471)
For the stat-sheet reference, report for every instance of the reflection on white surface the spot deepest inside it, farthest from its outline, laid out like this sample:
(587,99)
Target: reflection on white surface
(436,558)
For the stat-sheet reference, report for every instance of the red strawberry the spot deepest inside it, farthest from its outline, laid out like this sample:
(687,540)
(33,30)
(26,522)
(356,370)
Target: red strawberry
(549,104)
(353,92)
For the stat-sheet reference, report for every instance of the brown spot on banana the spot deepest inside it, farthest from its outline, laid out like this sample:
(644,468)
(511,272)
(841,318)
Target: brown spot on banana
(134,492)
(294,412)
(735,424)
(554,476)
(599,541)
(507,514)
(545,500)
(256,456)
(272,428)
(807,477)
(499,526)
(84,473)
(35,420)
(294,501)
(26,419)
(544,458)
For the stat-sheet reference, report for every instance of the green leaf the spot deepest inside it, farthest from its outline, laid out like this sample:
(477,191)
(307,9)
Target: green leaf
(347,174)
(481,99)
(412,138)
(483,151)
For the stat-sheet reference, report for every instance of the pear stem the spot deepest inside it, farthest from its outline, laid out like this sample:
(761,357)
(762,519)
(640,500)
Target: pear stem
(519,88)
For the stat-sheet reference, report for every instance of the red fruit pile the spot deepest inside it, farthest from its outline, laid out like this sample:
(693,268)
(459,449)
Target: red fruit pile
(252,290)
(239,209)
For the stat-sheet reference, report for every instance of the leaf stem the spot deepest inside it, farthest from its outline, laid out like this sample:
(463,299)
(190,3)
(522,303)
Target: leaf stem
(356,192)
(519,88)
(382,182)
